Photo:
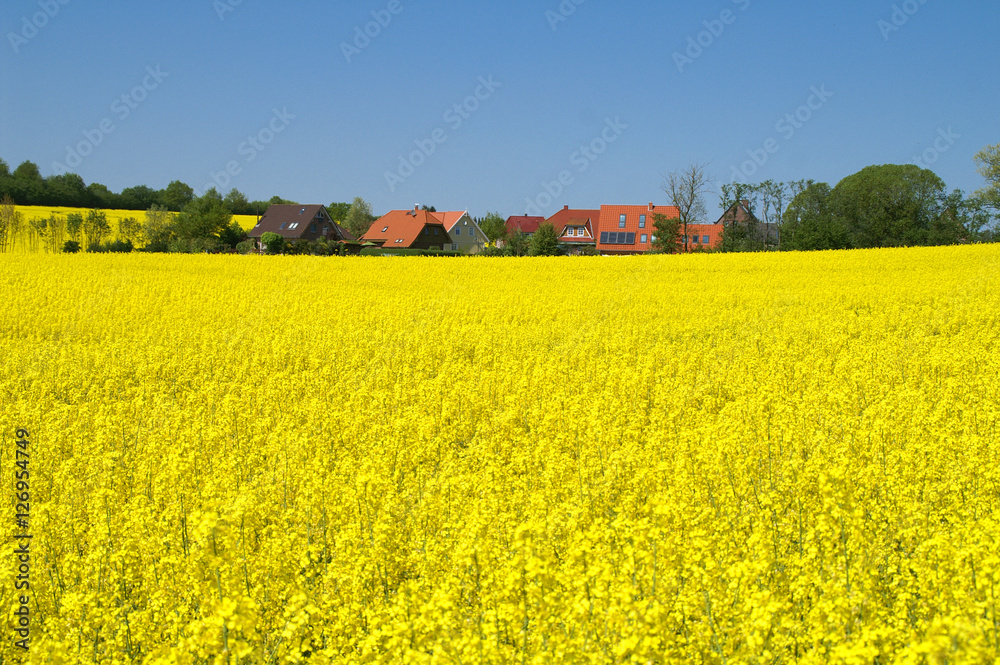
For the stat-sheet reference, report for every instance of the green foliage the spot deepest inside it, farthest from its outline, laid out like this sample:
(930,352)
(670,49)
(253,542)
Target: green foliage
(237,203)
(544,241)
(232,235)
(891,206)
(176,196)
(129,229)
(272,243)
(96,227)
(159,229)
(518,243)
(807,223)
(74,225)
(668,234)
(494,226)
(115,246)
(988,162)
(338,211)
(71,247)
(246,247)
(359,217)
(206,217)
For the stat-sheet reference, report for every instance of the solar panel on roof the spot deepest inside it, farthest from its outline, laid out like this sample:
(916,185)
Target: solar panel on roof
(604,237)
(629,238)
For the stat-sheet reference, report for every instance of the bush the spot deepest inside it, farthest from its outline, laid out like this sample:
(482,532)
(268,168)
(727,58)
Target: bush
(116,247)
(274,243)
(71,247)
(246,247)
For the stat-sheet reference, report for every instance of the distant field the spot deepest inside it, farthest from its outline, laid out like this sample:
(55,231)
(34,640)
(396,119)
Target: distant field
(114,218)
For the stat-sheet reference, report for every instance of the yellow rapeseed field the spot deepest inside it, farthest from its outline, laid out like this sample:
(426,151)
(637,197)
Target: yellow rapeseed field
(780,458)
(27,243)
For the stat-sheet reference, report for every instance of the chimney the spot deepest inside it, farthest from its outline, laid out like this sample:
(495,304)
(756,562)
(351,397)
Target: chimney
(565,207)
(651,206)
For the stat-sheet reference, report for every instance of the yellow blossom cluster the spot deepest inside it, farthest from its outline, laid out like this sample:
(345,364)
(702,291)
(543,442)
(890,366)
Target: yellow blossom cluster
(772,458)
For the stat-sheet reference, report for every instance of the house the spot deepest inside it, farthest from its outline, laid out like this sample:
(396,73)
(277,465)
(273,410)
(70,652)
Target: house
(575,229)
(629,229)
(466,236)
(409,229)
(741,215)
(300,223)
(523,223)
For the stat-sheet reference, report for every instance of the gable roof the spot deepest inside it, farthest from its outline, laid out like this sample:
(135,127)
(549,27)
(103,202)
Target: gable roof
(569,217)
(294,222)
(613,234)
(450,219)
(525,223)
(739,212)
(401,228)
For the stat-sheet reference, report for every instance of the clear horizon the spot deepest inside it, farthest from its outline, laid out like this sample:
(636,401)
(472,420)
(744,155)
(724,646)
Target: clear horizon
(487,107)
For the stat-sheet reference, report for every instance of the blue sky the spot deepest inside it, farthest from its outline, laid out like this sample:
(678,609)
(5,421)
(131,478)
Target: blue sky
(557,102)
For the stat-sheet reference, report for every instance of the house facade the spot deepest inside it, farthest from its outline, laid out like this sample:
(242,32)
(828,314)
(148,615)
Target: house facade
(466,236)
(297,223)
(576,229)
(624,230)
(408,229)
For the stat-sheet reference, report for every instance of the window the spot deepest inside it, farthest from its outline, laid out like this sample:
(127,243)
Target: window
(384,229)
(642,238)
(642,221)
(458,230)
(454,247)
(283,225)
(312,228)
(571,231)
(621,221)
(326,230)
(705,240)
(399,240)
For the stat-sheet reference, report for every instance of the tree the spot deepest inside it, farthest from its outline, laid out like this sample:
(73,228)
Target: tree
(67,190)
(10,222)
(27,185)
(272,243)
(807,224)
(232,235)
(359,217)
(129,230)
(96,227)
(74,224)
(494,226)
(544,241)
(772,197)
(176,196)
(686,190)
(159,229)
(101,197)
(737,235)
(518,243)
(204,217)
(237,203)
(338,211)
(140,197)
(988,160)
(668,233)
(889,206)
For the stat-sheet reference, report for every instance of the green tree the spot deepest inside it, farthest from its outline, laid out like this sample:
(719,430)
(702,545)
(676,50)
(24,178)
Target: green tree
(988,161)
(176,196)
(272,243)
(686,190)
(99,196)
(67,190)
(74,225)
(9,222)
(232,235)
(889,206)
(140,197)
(359,217)
(518,243)
(544,241)
(96,227)
(204,217)
(158,229)
(668,231)
(27,185)
(129,230)
(807,224)
(237,203)
(494,226)
(338,211)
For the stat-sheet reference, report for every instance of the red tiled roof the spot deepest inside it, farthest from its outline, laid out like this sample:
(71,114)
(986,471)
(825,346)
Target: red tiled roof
(403,228)
(635,226)
(525,223)
(449,219)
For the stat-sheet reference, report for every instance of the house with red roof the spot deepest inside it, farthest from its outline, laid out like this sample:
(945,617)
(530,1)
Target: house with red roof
(628,229)
(408,229)
(300,223)
(523,223)
(466,236)
(575,228)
